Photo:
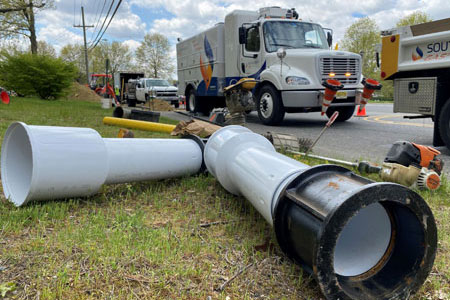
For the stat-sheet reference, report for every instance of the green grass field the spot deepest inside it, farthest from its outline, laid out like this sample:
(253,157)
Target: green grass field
(171,239)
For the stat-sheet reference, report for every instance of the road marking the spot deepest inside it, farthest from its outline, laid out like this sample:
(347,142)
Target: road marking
(380,119)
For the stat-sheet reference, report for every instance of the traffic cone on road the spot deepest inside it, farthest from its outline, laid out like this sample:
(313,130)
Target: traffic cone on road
(361,112)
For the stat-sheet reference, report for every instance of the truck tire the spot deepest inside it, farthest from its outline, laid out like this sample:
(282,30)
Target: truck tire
(269,106)
(193,102)
(345,112)
(444,123)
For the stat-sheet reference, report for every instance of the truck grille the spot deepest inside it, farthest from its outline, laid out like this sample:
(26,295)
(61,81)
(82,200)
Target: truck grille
(166,94)
(340,66)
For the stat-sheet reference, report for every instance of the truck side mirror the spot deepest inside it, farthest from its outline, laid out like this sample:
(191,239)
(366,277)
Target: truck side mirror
(329,39)
(242,35)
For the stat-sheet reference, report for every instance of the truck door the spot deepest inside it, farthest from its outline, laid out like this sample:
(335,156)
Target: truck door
(250,58)
(140,90)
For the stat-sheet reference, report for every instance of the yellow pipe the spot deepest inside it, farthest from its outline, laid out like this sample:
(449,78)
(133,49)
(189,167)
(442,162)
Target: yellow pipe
(133,124)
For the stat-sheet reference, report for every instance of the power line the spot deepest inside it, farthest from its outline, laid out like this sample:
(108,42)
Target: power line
(112,17)
(98,22)
(104,21)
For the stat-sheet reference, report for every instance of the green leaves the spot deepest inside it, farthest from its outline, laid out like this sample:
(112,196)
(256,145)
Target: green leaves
(414,18)
(40,75)
(153,54)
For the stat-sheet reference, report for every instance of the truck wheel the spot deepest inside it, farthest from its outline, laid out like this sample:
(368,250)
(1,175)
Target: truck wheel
(269,106)
(444,124)
(193,102)
(345,112)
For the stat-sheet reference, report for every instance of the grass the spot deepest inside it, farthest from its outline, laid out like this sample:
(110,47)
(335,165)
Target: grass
(171,239)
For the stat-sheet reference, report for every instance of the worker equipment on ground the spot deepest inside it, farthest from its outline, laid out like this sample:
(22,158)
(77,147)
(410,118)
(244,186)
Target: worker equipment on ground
(327,125)
(370,86)
(412,164)
(331,88)
(239,99)
(406,163)
(218,115)
(142,125)
(360,239)
(5,97)
(47,162)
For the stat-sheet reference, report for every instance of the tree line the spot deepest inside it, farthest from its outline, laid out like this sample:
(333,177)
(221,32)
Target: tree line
(17,19)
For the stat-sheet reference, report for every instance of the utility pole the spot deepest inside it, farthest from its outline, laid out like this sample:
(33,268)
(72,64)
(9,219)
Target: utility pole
(84,26)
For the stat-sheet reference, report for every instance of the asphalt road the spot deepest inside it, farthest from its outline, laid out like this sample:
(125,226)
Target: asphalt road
(366,138)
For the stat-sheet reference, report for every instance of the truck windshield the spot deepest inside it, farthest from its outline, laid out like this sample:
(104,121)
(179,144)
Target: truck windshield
(157,82)
(295,35)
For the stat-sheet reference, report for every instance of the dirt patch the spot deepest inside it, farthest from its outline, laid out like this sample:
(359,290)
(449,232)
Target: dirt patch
(159,105)
(81,92)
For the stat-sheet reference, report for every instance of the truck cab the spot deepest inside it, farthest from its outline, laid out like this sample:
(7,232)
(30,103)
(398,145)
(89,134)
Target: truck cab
(147,88)
(289,57)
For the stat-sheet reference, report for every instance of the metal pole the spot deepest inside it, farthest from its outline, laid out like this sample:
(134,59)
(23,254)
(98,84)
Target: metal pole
(85,43)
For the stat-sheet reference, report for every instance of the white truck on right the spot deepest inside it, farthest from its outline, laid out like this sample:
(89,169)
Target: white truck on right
(417,59)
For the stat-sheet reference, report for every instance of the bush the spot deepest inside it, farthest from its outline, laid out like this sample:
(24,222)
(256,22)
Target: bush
(37,75)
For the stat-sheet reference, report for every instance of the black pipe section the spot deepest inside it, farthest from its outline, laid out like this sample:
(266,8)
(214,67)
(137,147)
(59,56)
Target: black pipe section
(326,218)
(136,114)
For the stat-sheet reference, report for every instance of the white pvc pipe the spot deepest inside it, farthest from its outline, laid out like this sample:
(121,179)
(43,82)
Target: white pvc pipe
(146,159)
(46,162)
(247,164)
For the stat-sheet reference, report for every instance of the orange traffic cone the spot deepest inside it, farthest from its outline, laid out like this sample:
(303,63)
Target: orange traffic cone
(361,112)
(370,85)
(331,88)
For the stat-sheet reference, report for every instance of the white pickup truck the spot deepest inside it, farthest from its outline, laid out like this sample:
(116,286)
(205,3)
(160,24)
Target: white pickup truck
(147,88)
(290,58)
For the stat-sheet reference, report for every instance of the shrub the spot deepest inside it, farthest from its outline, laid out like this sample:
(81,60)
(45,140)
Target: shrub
(38,75)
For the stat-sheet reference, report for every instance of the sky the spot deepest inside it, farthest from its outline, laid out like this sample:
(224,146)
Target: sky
(184,18)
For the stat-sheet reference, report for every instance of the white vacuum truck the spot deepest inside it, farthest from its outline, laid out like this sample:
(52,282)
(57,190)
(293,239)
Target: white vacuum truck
(290,58)
(417,59)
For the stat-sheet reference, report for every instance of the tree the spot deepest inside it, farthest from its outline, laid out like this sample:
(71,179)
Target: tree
(414,18)
(361,37)
(19,19)
(119,56)
(74,53)
(45,48)
(153,55)
(33,74)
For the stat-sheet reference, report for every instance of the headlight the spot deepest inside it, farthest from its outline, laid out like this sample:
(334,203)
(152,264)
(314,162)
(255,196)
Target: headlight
(294,80)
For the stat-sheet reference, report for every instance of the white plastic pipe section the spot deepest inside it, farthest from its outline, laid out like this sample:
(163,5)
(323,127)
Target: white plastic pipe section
(247,164)
(46,162)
